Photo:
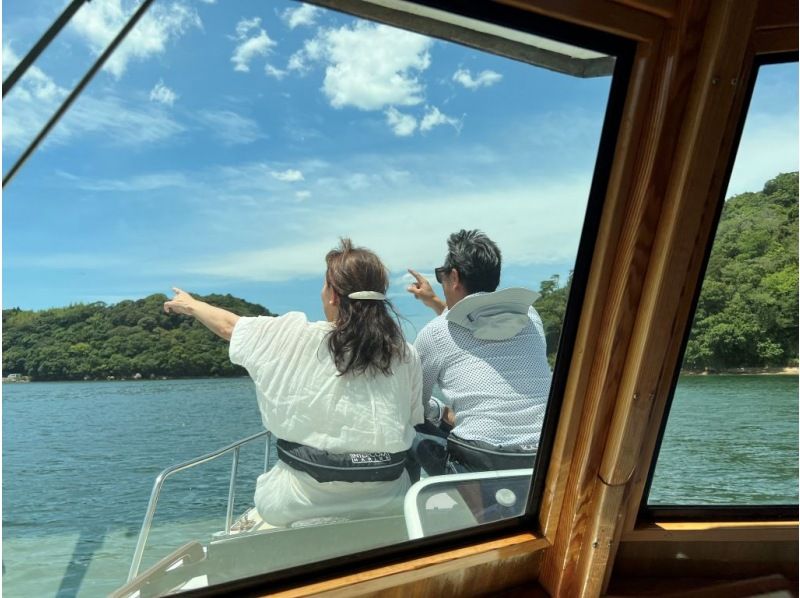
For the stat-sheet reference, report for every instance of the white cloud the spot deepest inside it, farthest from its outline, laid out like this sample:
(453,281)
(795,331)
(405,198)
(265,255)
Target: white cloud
(384,227)
(433,118)
(403,125)
(288,176)
(28,107)
(297,62)
(303,16)
(272,71)
(253,42)
(66,261)
(237,182)
(98,22)
(368,66)
(312,51)
(117,121)
(302,195)
(163,94)
(36,84)
(134,184)
(483,79)
(244,26)
(230,127)
(36,96)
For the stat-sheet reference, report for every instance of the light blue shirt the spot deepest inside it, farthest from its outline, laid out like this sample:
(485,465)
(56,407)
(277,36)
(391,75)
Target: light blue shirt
(498,389)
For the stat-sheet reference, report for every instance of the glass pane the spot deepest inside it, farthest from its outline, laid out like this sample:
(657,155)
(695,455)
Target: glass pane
(47,83)
(226,148)
(731,437)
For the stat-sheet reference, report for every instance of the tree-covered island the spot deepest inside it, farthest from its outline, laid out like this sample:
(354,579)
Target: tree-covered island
(97,341)
(747,313)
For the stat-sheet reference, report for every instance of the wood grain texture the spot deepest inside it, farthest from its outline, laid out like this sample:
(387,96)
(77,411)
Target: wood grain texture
(692,198)
(637,135)
(689,196)
(773,41)
(710,56)
(605,15)
(709,559)
(655,104)
(662,8)
(775,14)
(480,568)
(692,252)
(730,531)
(671,587)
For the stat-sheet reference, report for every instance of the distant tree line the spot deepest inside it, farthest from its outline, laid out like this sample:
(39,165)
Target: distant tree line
(747,313)
(96,341)
(551,306)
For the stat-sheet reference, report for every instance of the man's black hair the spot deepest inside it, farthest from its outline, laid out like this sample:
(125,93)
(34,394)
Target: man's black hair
(477,259)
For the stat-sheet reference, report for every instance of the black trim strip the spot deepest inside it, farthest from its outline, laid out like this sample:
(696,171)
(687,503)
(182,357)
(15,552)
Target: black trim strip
(717,512)
(77,91)
(40,45)
(720,513)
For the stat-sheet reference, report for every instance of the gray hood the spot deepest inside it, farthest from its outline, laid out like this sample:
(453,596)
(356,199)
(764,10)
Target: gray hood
(494,316)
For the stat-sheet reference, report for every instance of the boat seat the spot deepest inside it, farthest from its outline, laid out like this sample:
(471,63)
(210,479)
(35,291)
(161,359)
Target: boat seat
(444,503)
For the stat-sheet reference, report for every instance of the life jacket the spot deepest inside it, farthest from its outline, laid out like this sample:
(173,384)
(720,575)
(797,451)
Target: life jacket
(342,467)
(475,455)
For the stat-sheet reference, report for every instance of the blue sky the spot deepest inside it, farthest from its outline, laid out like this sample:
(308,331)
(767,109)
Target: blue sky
(228,145)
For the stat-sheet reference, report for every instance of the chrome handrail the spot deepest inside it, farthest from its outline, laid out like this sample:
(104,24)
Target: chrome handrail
(162,477)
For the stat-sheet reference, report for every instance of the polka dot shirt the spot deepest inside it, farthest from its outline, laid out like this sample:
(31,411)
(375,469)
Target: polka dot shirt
(498,389)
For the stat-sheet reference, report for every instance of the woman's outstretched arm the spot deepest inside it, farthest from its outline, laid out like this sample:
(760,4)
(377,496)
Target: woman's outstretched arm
(217,320)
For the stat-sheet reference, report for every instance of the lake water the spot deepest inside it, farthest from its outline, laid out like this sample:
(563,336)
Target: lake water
(79,460)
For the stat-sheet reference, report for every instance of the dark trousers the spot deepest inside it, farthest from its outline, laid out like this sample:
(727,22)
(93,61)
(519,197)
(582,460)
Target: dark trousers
(428,451)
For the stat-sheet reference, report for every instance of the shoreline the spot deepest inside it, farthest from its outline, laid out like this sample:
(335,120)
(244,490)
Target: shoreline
(158,379)
(744,371)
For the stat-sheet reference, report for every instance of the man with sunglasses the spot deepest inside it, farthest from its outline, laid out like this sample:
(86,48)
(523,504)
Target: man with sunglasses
(485,351)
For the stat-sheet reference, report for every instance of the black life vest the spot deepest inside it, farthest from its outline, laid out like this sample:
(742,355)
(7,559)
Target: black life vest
(476,455)
(342,467)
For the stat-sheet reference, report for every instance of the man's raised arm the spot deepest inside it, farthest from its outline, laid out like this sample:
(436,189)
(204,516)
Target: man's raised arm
(422,290)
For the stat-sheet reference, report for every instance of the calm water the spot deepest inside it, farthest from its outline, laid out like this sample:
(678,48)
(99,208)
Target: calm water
(79,460)
(730,440)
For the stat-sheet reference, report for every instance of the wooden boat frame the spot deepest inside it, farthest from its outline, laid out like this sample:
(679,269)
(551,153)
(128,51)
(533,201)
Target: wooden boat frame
(691,72)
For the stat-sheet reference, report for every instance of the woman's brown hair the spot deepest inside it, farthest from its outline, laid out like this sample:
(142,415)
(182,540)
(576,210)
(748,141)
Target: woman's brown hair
(366,338)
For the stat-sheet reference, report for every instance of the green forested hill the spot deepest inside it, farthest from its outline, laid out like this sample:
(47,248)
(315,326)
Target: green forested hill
(121,340)
(747,314)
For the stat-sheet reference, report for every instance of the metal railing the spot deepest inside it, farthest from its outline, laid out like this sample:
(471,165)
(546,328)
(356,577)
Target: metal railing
(169,471)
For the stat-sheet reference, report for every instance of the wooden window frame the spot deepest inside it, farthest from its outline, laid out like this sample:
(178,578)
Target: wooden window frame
(694,512)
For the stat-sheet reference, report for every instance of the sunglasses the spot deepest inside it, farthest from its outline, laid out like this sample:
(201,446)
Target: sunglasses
(440,272)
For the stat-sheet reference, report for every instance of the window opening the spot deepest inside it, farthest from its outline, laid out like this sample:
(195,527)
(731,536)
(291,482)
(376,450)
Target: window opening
(239,183)
(731,436)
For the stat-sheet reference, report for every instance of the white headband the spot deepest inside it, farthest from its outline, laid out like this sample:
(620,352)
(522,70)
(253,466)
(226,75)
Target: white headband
(373,295)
